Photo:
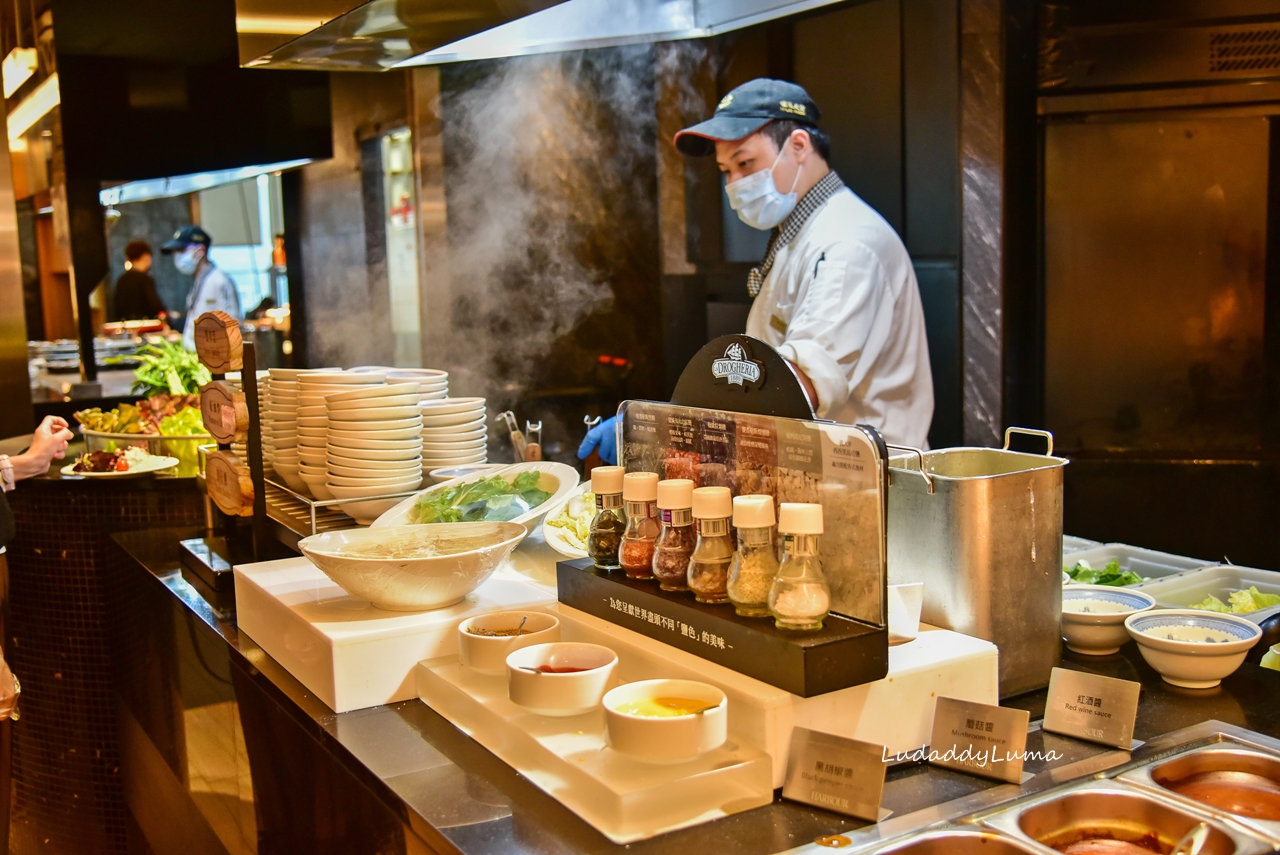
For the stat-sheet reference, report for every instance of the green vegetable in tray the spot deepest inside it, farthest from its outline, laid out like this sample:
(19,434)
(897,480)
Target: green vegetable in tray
(1241,602)
(185,422)
(491,499)
(166,369)
(1110,575)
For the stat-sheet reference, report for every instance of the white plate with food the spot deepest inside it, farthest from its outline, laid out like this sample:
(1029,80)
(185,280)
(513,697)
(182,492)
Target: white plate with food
(567,523)
(125,463)
(521,493)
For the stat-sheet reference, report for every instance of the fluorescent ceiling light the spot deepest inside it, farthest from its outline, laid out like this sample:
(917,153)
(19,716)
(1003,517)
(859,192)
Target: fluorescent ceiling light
(285,25)
(19,65)
(180,185)
(32,108)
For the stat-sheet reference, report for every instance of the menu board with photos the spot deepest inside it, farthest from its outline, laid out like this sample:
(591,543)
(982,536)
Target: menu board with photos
(837,466)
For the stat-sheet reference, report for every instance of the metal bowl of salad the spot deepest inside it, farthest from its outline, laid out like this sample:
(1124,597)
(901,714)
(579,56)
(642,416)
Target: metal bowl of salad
(520,493)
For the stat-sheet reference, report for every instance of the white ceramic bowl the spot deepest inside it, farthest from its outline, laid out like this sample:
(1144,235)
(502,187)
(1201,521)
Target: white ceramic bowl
(405,427)
(564,694)
(316,483)
(366,392)
(452,435)
(372,444)
(346,378)
(461,445)
(488,654)
(1192,648)
(435,461)
(410,431)
(311,412)
(470,418)
(412,584)
(407,469)
(363,404)
(670,739)
(448,473)
(453,406)
(313,457)
(1093,616)
(351,455)
(396,482)
(373,414)
(557,478)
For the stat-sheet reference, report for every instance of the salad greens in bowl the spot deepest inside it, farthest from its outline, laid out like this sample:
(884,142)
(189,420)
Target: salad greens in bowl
(520,493)
(1083,574)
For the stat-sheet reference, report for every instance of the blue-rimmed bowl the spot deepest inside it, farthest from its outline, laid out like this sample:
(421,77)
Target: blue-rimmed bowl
(1093,616)
(1191,648)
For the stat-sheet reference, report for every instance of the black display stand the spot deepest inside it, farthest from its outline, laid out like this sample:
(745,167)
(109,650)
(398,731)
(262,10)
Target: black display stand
(843,653)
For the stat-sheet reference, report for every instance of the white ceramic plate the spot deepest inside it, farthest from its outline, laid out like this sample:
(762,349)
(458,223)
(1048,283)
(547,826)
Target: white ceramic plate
(151,464)
(566,478)
(555,536)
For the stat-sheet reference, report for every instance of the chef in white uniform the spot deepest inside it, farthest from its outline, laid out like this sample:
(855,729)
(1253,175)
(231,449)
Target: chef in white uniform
(836,294)
(212,290)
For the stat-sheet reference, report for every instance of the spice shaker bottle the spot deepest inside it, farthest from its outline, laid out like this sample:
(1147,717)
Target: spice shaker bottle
(799,597)
(610,521)
(639,499)
(754,564)
(675,541)
(712,554)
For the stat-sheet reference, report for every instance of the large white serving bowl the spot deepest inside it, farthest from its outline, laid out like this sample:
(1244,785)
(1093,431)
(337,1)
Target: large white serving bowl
(408,469)
(670,739)
(1191,648)
(368,455)
(363,393)
(571,693)
(1093,616)
(345,378)
(465,419)
(371,403)
(453,406)
(388,425)
(408,432)
(488,654)
(412,584)
(374,414)
(557,478)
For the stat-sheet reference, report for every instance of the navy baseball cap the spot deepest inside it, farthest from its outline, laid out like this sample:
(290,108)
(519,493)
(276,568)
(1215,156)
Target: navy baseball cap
(746,110)
(185,237)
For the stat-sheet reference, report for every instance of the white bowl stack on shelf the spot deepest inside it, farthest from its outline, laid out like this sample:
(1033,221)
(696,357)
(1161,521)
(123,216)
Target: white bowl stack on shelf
(313,422)
(374,445)
(283,412)
(454,432)
(433,383)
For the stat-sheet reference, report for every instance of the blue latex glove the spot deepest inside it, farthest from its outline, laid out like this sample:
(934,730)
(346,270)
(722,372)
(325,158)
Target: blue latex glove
(603,436)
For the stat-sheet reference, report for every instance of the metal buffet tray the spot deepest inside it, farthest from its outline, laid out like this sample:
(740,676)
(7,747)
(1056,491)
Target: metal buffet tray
(1007,820)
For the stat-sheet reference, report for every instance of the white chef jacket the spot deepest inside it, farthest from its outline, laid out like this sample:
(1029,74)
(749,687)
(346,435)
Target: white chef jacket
(213,291)
(841,301)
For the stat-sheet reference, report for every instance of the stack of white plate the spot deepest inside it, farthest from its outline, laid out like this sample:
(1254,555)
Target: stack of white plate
(433,383)
(454,432)
(313,421)
(374,446)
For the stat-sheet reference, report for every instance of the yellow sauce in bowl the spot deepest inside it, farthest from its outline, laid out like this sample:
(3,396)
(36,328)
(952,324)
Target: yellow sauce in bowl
(664,707)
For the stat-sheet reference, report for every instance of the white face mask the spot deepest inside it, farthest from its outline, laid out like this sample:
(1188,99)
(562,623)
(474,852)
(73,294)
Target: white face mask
(757,199)
(187,261)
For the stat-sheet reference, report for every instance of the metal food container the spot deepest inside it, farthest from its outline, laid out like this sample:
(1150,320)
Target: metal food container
(1105,809)
(956,841)
(184,448)
(1232,764)
(982,529)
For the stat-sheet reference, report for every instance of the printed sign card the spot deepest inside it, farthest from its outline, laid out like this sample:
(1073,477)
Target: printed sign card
(980,739)
(836,773)
(1092,707)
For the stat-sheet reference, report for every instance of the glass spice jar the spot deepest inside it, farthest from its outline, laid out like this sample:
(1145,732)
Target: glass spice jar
(799,598)
(610,520)
(712,554)
(755,563)
(639,499)
(675,540)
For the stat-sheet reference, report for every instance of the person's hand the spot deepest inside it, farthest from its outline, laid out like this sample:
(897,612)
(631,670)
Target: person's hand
(604,438)
(48,443)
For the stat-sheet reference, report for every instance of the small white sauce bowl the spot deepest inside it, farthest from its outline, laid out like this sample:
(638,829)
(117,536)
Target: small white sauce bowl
(488,654)
(573,693)
(1192,648)
(1093,616)
(671,739)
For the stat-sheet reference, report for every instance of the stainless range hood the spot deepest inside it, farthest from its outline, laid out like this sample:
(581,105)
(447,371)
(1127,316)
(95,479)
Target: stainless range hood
(386,34)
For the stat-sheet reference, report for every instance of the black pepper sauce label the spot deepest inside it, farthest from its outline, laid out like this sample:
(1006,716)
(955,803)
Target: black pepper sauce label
(717,442)
(682,455)
(756,450)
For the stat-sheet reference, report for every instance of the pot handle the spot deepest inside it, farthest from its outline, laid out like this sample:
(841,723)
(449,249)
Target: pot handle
(928,479)
(1048,437)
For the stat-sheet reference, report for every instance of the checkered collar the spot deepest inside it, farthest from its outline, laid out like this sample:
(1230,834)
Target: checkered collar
(828,186)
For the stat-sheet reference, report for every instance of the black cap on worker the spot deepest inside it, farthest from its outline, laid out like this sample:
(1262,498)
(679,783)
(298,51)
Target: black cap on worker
(746,110)
(185,237)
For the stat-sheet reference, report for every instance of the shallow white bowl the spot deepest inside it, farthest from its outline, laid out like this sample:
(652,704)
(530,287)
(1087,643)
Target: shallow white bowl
(312,457)
(357,427)
(340,441)
(434,461)
(412,584)
(460,446)
(316,484)
(467,419)
(313,421)
(560,694)
(674,739)
(409,470)
(311,432)
(557,478)
(1191,648)
(363,404)
(452,406)
(488,654)
(346,378)
(374,414)
(377,486)
(288,473)
(366,392)
(313,412)
(449,434)
(366,455)
(408,432)
(1093,616)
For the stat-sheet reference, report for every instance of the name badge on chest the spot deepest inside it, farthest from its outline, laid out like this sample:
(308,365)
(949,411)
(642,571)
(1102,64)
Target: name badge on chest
(778,324)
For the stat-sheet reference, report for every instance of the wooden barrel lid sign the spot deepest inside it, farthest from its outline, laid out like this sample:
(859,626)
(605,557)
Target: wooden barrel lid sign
(218,342)
(226,415)
(229,485)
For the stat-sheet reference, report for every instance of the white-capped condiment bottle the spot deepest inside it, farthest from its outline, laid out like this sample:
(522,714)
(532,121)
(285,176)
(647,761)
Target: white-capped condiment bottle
(754,564)
(639,498)
(610,520)
(799,598)
(712,554)
(675,541)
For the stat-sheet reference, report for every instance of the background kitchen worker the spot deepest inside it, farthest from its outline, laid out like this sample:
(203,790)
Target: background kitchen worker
(212,290)
(836,294)
(136,296)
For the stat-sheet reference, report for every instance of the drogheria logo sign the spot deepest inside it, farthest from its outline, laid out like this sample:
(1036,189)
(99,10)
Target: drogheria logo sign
(736,367)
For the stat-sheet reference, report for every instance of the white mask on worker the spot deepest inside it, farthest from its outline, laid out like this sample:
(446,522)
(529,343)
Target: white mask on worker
(757,199)
(187,260)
